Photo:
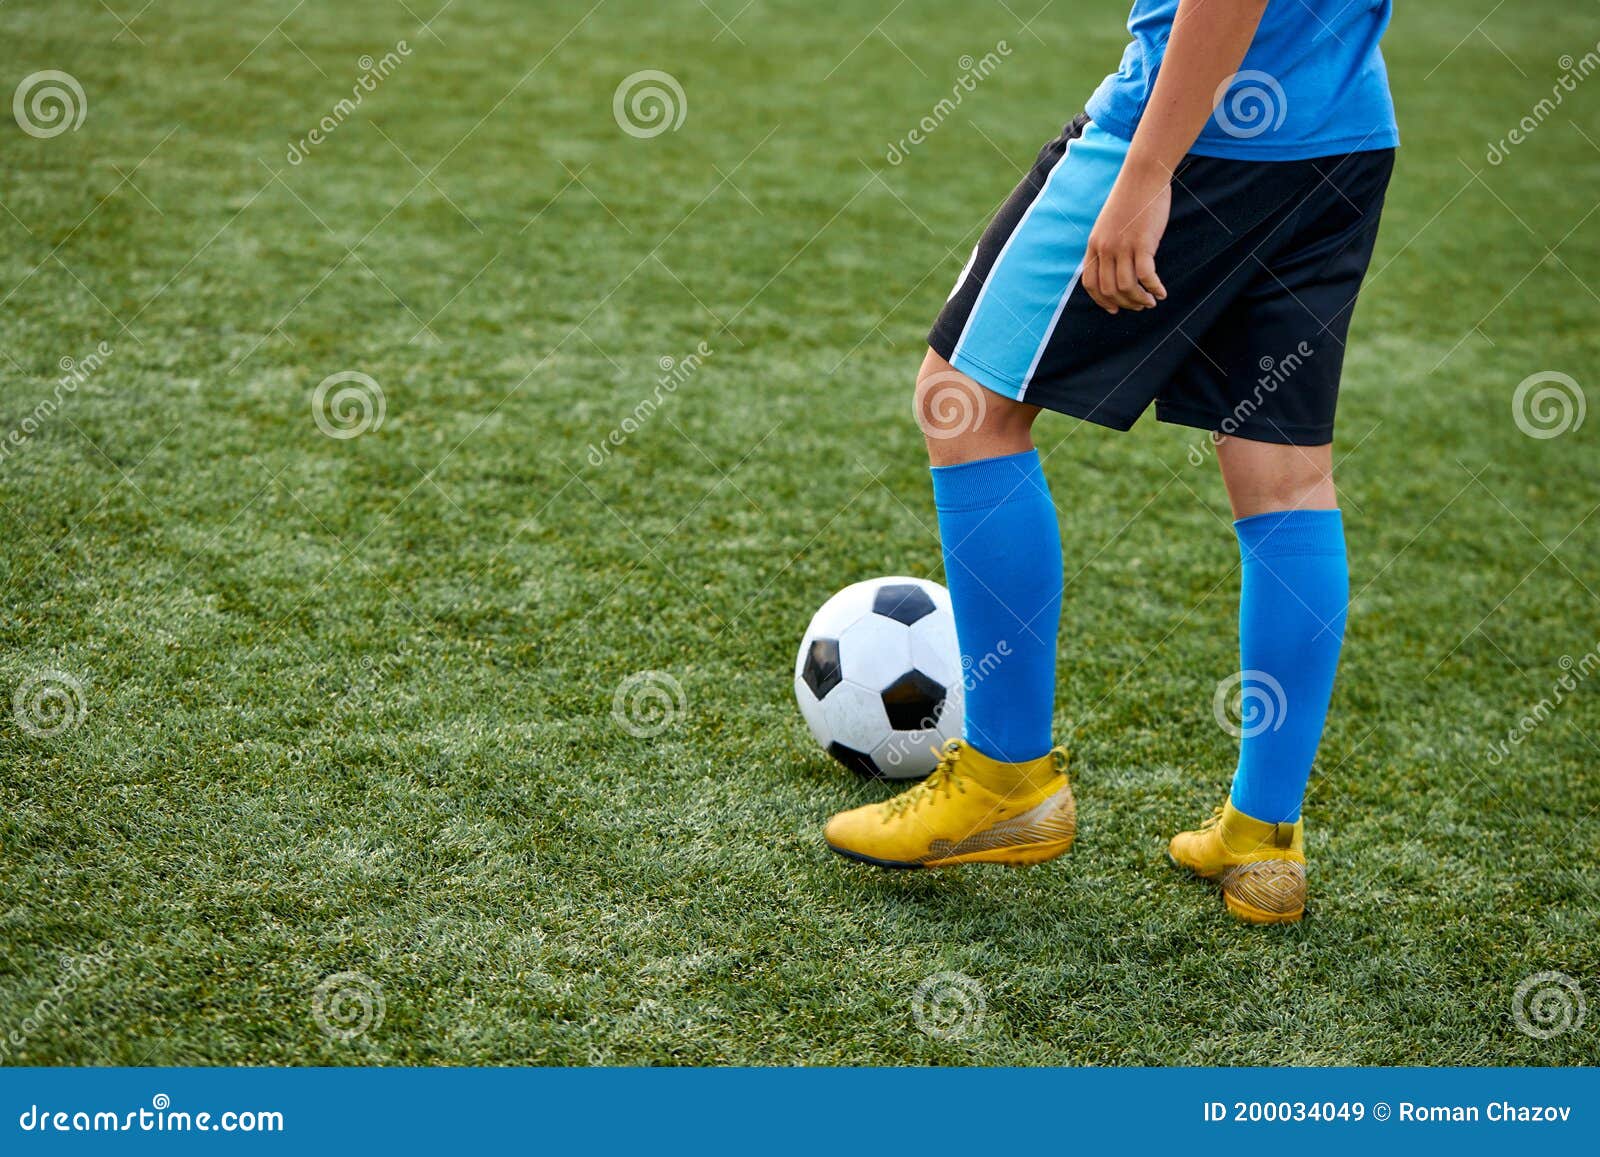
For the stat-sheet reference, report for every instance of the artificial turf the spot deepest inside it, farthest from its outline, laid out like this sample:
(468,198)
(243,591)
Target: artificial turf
(346,705)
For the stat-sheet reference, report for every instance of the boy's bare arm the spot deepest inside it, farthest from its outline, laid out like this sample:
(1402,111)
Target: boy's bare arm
(1209,40)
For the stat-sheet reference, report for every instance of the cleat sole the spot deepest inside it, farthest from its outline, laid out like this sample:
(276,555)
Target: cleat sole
(1253,915)
(1013,857)
(899,865)
(1266,891)
(1016,856)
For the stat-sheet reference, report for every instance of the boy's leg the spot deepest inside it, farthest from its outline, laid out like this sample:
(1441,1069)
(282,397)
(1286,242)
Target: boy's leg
(1293,595)
(1262,477)
(1002,556)
(999,795)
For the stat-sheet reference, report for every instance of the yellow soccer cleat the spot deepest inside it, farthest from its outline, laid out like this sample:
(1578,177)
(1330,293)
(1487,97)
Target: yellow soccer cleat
(971,810)
(1262,866)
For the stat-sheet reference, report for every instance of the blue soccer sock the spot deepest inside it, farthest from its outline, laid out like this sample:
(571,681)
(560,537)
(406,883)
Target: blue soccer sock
(1002,562)
(1292,603)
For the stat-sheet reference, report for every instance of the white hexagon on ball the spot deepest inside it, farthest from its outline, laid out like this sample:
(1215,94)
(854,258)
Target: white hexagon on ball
(878,676)
(875,650)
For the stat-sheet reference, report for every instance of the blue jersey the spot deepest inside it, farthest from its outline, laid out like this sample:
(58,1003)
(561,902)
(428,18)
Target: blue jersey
(1313,83)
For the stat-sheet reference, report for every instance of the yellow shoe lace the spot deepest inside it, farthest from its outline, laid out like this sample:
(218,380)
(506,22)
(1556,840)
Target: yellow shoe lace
(1212,823)
(943,780)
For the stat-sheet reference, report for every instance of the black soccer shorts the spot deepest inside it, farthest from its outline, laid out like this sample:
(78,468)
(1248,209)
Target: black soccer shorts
(1262,261)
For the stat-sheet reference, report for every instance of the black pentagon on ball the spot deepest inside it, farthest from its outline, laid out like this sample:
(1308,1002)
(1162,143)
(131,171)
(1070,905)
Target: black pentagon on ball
(902,602)
(913,702)
(821,670)
(856,761)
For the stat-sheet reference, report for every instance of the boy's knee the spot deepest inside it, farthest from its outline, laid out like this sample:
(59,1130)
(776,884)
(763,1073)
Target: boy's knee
(962,421)
(949,405)
(1263,477)
(1297,491)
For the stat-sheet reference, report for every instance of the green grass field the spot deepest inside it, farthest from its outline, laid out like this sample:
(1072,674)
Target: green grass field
(346,704)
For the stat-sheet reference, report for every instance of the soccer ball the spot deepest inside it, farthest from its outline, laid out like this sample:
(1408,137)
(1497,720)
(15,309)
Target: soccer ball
(879,676)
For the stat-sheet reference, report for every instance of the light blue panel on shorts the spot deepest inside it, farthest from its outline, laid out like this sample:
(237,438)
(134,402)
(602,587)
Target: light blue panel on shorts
(1038,267)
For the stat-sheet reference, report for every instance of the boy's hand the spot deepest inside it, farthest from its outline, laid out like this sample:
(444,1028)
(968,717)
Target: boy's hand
(1119,266)
(1208,43)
